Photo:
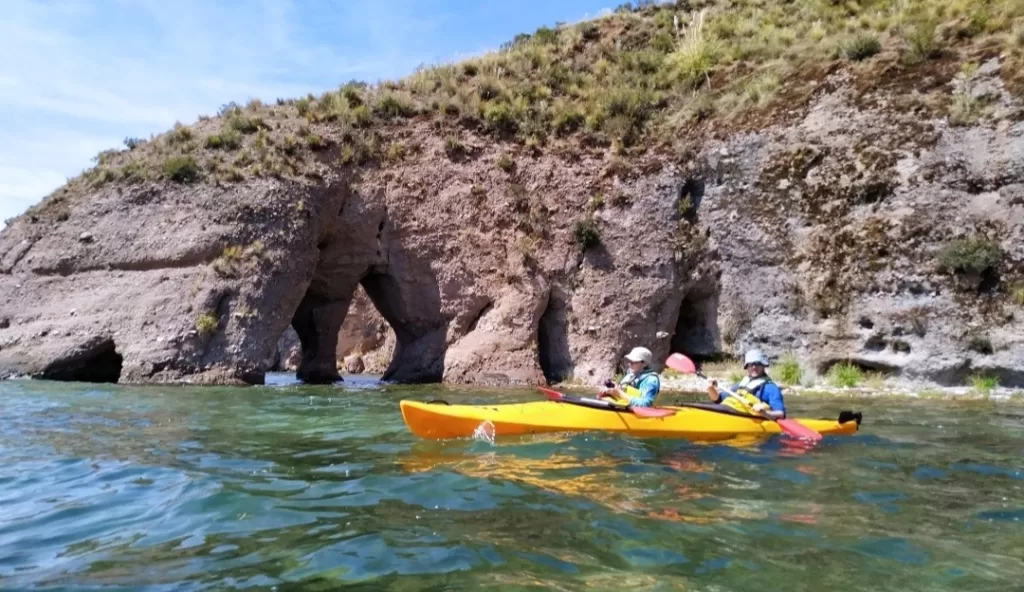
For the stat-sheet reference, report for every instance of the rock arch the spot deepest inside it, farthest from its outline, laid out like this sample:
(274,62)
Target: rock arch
(411,304)
(360,250)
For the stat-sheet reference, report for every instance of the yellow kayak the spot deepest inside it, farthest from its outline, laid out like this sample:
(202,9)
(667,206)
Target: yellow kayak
(696,421)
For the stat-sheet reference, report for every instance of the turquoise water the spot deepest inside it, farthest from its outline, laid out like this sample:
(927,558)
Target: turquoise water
(290,487)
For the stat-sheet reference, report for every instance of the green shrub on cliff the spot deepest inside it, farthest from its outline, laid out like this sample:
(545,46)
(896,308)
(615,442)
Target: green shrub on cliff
(133,172)
(206,324)
(861,47)
(585,233)
(228,262)
(972,255)
(965,107)
(228,139)
(984,385)
(182,169)
(845,375)
(501,117)
(244,124)
(1017,295)
(921,43)
(316,142)
(787,370)
(180,134)
(391,105)
(694,57)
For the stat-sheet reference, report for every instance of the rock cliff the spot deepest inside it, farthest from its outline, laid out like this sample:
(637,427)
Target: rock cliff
(532,215)
(134,285)
(873,236)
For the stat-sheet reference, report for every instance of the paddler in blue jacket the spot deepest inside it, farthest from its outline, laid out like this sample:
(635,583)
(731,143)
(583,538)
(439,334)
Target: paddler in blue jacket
(642,381)
(757,389)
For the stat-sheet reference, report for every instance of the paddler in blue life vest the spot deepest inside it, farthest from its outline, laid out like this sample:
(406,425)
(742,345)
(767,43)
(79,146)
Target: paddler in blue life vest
(640,386)
(757,389)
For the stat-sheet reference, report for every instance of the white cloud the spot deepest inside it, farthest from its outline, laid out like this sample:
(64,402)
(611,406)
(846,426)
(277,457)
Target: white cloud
(87,74)
(22,187)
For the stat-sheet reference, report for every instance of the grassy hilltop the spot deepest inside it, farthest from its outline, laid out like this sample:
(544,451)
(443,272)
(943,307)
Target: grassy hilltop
(645,81)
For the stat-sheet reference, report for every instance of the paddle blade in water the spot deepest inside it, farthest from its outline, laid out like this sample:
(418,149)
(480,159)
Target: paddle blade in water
(681,363)
(795,428)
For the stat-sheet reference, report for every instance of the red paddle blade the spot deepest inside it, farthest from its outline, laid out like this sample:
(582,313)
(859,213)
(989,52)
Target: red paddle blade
(681,363)
(795,428)
(651,411)
(553,395)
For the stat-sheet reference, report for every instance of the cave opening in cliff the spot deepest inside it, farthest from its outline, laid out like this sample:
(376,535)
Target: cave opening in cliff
(98,363)
(696,334)
(553,339)
(399,302)
(865,366)
(383,292)
(332,321)
(363,341)
(419,328)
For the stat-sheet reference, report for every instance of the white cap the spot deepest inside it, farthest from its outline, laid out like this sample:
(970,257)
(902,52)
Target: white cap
(755,356)
(640,354)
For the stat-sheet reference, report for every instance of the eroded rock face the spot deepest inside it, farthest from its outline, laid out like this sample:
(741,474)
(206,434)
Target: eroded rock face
(829,233)
(461,259)
(818,236)
(354,364)
(158,282)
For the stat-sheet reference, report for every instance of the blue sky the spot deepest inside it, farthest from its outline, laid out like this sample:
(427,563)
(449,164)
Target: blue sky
(81,75)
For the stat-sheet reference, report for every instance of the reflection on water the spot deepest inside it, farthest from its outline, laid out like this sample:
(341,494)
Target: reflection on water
(293,487)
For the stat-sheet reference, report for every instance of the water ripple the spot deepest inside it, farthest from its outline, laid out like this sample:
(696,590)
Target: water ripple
(302,487)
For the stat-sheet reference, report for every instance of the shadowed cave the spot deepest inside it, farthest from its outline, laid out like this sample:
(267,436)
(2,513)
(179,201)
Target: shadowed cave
(97,362)
(696,334)
(404,291)
(553,339)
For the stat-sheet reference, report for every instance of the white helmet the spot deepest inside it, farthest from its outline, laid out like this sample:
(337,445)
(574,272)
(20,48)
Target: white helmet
(755,356)
(640,354)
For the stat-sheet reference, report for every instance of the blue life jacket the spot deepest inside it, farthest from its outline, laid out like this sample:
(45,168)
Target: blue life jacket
(647,382)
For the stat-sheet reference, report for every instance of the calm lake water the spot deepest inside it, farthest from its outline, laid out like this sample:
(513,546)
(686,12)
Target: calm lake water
(292,487)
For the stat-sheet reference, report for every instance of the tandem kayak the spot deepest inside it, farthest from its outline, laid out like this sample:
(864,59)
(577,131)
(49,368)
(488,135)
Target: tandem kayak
(439,420)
